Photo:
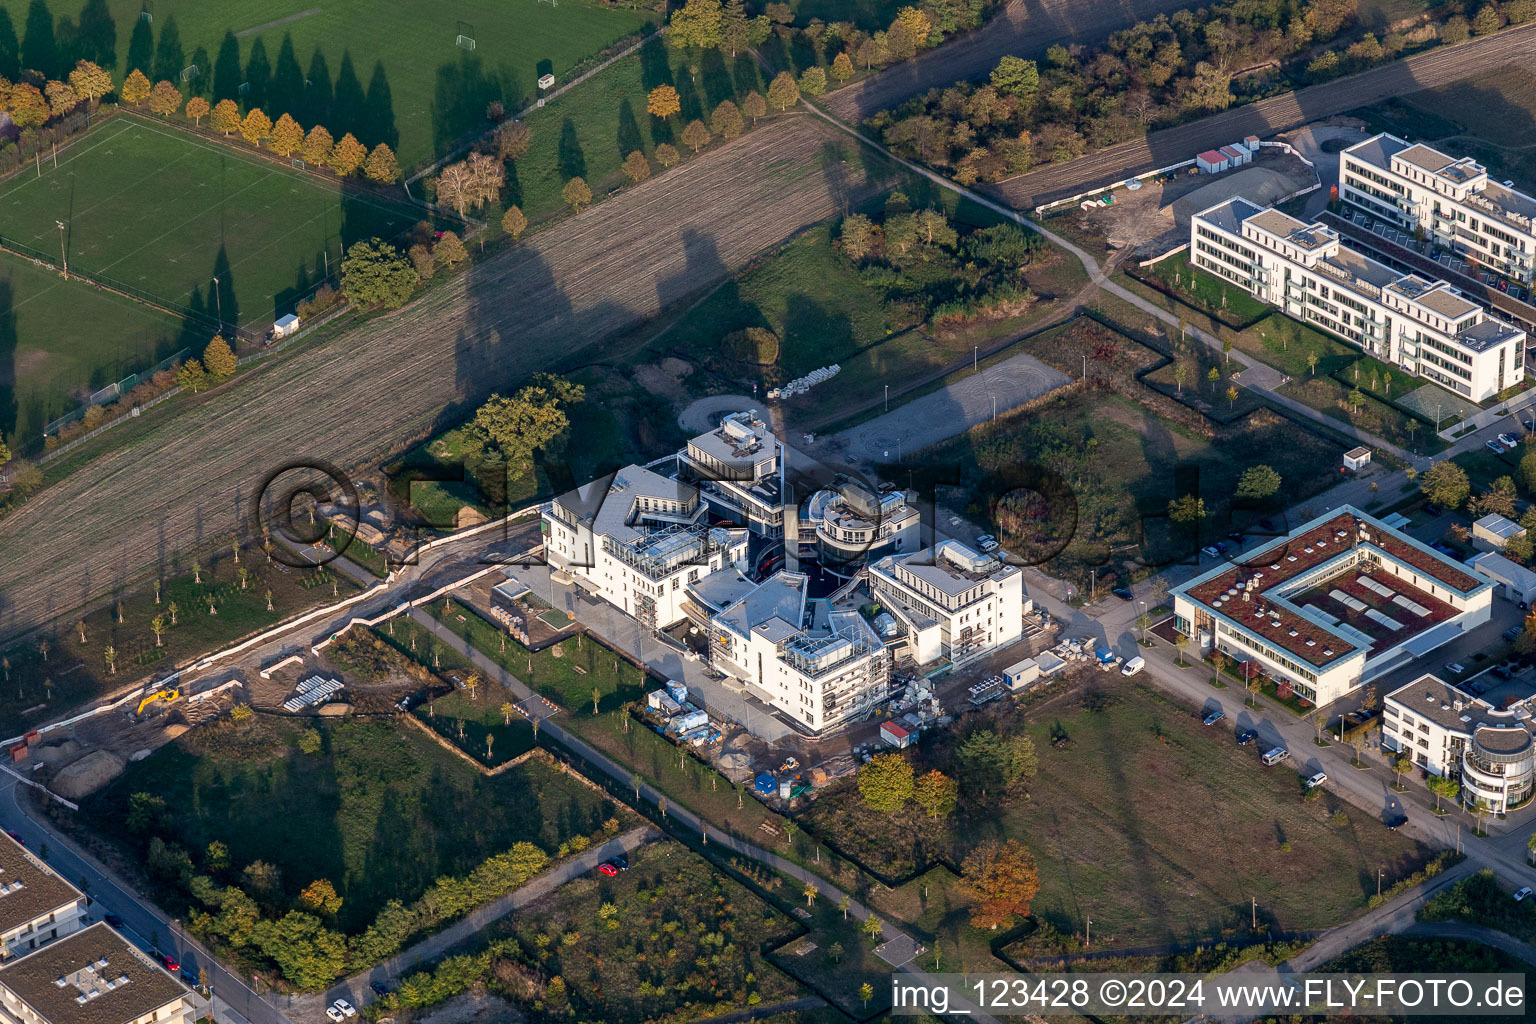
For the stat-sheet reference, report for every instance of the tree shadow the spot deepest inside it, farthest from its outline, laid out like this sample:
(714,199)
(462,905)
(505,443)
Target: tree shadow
(813,336)
(304,282)
(572,161)
(200,82)
(39,45)
(170,57)
(379,112)
(348,103)
(258,76)
(655,65)
(746,75)
(317,91)
(512,190)
(8,372)
(629,137)
(93,37)
(10,49)
(227,72)
(661,130)
(226,306)
(716,78)
(691,106)
(463,91)
(287,89)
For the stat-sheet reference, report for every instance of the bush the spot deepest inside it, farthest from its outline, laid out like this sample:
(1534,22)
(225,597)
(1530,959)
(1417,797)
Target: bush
(757,345)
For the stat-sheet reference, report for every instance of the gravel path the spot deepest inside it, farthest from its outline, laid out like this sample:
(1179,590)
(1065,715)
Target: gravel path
(189,477)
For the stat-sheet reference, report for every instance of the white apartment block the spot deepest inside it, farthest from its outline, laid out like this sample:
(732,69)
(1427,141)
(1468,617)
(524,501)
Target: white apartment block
(820,666)
(37,906)
(1334,604)
(1425,327)
(636,540)
(851,525)
(1452,735)
(956,604)
(739,470)
(92,977)
(1449,199)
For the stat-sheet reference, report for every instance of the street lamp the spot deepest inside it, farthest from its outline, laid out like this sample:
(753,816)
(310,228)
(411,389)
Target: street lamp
(63,248)
(218,297)
(1143,623)
(887,398)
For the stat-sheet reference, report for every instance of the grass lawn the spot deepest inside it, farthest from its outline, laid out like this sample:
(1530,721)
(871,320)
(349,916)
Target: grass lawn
(1157,828)
(72,672)
(408,81)
(1291,346)
(381,811)
(262,230)
(469,722)
(1205,291)
(683,942)
(61,340)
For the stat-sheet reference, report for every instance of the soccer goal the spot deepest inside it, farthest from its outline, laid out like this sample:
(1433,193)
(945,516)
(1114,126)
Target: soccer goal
(466,37)
(190,73)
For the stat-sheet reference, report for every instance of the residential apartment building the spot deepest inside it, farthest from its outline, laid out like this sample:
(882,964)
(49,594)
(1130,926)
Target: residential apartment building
(1425,327)
(37,906)
(1450,199)
(955,603)
(635,540)
(739,470)
(1334,604)
(851,525)
(820,665)
(91,977)
(1453,735)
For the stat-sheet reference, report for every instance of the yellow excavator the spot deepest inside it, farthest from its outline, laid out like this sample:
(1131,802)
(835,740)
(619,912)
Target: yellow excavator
(165,695)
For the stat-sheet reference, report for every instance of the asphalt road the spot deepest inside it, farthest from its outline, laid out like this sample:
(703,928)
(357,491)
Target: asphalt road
(1440,66)
(1025,28)
(188,476)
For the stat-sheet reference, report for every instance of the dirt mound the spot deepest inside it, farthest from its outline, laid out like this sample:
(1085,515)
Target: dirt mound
(88,774)
(56,755)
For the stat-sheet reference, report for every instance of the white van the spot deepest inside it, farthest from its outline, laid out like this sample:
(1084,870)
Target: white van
(1133,666)
(1275,756)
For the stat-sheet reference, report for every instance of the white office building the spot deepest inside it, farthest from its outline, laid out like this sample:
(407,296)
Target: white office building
(819,665)
(955,603)
(1450,199)
(1425,327)
(738,468)
(1452,735)
(636,540)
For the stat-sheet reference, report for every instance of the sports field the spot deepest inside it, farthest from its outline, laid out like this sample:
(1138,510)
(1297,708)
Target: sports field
(60,340)
(165,212)
(387,72)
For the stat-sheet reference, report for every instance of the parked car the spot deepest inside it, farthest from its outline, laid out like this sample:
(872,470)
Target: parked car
(345,1007)
(1123,593)
(169,962)
(1221,547)
(1503,673)
(1521,893)
(335,1014)
(607,868)
(379,988)
(1235,537)
(1397,821)
(1508,441)
(1132,666)
(1211,551)
(113,920)
(1454,668)
(1512,632)
(1431,509)
(1494,447)
(1215,716)
(1246,737)
(1275,755)
(1317,780)
(1268,524)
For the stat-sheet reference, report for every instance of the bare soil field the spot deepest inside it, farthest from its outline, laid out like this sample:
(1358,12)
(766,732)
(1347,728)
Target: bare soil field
(544,304)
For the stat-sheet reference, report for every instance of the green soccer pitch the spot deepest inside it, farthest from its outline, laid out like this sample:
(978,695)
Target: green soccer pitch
(164,212)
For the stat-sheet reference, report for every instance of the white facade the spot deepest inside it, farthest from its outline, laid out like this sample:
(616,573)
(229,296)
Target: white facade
(850,525)
(1425,327)
(1448,198)
(1452,735)
(637,540)
(1294,618)
(738,469)
(818,665)
(976,601)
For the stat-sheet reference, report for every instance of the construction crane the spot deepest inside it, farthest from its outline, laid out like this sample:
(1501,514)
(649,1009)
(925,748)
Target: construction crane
(165,695)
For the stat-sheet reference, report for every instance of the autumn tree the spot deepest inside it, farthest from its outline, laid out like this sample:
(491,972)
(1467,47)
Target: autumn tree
(858,236)
(192,376)
(636,167)
(576,194)
(135,87)
(1016,77)
(512,139)
(164,99)
(319,897)
(62,98)
(885,782)
(422,259)
(287,135)
(698,23)
(695,135)
(667,155)
(1445,484)
(225,117)
(514,222)
(507,431)
(726,121)
(1187,508)
(783,93)
(813,81)
(754,106)
(381,166)
(486,177)
(1258,482)
(449,250)
(842,67)
(218,359)
(917,24)
(89,81)
(348,156)
(28,107)
(998,879)
(663,102)
(317,146)
(375,273)
(257,127)
(936,793)
(455,189)
(197,109)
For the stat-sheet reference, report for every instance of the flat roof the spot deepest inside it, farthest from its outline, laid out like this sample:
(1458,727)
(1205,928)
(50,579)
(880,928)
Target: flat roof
(29,889)
(1276,222)
(952,568)
(1425,158)
(605,504)
(781,596)
(1431,698)
(91,977)
(1378,150)
(1230,214)
(1503,570)
(1447,303)
(1499,526)
(1485,334)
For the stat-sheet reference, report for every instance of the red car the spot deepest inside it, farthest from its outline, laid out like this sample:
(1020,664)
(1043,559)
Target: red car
(608,868)
(170,963)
